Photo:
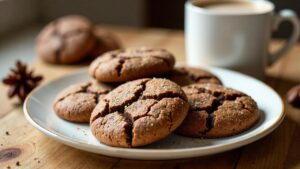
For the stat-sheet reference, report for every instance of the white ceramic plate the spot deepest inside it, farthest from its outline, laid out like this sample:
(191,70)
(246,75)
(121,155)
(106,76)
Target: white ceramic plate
(38,111)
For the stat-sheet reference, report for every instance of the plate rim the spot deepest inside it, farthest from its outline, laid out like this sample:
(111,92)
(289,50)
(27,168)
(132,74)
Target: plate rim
(186,152)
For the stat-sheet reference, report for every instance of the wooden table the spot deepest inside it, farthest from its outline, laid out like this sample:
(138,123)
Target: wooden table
(28,148)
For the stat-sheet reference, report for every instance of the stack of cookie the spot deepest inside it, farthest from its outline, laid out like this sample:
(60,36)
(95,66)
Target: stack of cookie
(138,97)
(71,39)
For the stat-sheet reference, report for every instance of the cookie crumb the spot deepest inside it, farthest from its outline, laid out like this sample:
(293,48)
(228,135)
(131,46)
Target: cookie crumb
(8,167)
(35,158)
(1,144)
(39,161)
(7,133)
(18,163)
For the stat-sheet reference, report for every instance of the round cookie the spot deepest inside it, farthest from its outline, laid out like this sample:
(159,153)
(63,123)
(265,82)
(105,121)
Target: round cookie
(76,102)
(65,40)
(105,41)
(131,64)
(217,111)
(139,112)
(187,75)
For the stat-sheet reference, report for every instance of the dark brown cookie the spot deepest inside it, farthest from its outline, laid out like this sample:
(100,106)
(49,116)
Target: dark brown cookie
(65,40)
(217,111)
(131,64)
(139,112)
(76,102)
(187,75)
(105,41)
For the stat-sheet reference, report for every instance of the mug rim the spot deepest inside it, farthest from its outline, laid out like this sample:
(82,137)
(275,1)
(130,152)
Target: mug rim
(189,5)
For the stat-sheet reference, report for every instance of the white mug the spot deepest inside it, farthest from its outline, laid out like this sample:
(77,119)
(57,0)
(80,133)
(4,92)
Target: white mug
(238,41)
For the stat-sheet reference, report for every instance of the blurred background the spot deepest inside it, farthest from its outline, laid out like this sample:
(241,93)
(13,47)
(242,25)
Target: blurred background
(21,20)
(19,14)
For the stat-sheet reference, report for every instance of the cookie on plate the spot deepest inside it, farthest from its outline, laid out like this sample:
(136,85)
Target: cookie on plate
(131,64)
(187,75)
(139,112)
(105,41)
(76,102)
(65,40)
(217,111)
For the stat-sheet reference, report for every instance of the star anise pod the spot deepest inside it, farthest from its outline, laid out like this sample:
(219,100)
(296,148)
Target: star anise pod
(21,81)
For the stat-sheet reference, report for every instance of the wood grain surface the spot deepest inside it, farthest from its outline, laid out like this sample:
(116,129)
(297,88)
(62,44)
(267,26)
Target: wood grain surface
(22,146)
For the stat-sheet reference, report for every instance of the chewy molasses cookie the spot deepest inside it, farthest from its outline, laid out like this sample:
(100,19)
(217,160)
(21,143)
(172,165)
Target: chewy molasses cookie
(139,112)
(217,111)
(105,41)
(65,40)
(76,102)
(188,75)
(131,64)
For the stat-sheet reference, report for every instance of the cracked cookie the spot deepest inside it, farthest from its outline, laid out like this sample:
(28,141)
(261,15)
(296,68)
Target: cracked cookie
(187,75)
(76,102)
(131,64)
(105,41)
(139,112)
(65,40)
(217,111)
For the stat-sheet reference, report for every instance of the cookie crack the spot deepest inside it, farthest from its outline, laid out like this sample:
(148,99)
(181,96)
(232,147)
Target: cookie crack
(120,67)
(99,114)
(137,96)
(99,64)
(217,93)
(96,94)
(144,115)
(144,55)
(211,111)
(63,38)
(244,106)
(200,90)
(128,128)
(57,34)
(168,94)
(147,52)
(121,110)
(96,97)
(57,52)
(193,77)
(122,59)
(82,90)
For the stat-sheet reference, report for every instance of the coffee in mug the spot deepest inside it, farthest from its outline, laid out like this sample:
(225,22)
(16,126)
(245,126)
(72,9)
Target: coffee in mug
(234,34)
(237,7)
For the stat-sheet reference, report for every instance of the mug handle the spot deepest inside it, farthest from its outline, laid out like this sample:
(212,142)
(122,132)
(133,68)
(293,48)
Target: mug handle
(291,16)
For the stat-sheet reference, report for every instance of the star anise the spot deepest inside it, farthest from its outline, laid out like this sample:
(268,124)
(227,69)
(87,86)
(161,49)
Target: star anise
(21,81)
